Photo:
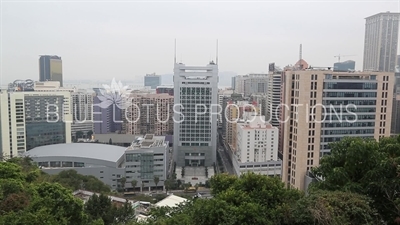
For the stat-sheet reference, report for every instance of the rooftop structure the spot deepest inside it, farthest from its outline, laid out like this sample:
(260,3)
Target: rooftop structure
(104,152)
(85,195)
(171,201)
(148,141)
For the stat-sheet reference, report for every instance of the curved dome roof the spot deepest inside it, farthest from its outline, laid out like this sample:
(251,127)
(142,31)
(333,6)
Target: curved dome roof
(80,150)
(302,63)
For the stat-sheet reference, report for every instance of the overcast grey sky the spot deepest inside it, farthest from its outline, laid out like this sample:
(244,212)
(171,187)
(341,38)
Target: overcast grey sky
(101,40)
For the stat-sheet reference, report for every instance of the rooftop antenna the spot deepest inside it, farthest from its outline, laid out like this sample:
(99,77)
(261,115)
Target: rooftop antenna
(301,52)
(175,53)
(216,60)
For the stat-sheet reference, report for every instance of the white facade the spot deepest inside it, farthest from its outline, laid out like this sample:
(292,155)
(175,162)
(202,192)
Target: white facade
(257,147)
(195,134)
(25,115)
(239,83)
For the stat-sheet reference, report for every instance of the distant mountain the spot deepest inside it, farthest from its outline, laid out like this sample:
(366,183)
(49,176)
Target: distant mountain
(225,78)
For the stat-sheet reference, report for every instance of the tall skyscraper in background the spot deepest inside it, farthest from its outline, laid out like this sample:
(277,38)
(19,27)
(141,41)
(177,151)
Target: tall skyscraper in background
(325,106)
(381,40)
(195,133)
(50,68)
(152,80)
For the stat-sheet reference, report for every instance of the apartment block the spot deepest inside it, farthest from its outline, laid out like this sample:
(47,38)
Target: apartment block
(322,107)
(165,89)
(226,100)
(150,113)
(152,80)
(257,147)
(381,42)
(234,112)
(82,106)
(273,106)
(221,95)
(256,84)
(32,119)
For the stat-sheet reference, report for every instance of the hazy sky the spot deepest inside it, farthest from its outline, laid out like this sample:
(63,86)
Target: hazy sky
(127,39)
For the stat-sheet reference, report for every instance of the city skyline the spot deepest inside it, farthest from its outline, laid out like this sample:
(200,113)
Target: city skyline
(86,38)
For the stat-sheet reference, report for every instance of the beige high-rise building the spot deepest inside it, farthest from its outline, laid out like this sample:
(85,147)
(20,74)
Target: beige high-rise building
(149,114)
(322,106)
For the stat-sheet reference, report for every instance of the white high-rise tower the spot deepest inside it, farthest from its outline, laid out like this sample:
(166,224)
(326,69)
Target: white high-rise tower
(195,114)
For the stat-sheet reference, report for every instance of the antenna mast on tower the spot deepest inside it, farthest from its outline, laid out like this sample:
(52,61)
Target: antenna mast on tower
(216,60)
(301,52)
(175,53)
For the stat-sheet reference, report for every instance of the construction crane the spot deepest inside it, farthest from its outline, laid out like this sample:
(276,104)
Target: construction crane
(338,56)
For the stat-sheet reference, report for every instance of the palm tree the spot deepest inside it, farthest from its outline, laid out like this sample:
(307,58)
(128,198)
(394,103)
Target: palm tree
(134,183)
(156,180)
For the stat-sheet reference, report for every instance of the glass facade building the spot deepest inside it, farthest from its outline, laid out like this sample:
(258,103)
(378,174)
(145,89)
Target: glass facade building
(50,68)
(152,80)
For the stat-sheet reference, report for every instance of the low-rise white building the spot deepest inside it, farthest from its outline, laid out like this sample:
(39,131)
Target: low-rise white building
(256,147)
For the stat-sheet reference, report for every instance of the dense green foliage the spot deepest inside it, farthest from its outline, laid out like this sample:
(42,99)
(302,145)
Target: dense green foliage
(366,167)
(73,180)
(255,199)
(26,199)
(359,184)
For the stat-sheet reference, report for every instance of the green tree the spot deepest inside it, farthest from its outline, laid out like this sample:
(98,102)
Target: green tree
(156,179)
(122,182)
(367,167)
(326,207)
(221,183)
(134,183)
(168,184)
(11,171)
(74,181)
(101,207)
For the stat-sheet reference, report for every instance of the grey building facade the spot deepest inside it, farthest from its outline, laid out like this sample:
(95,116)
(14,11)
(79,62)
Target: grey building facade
(255,84)
(345,66)
(274,99)
(106,120)
(395,125)
(105,162)
(152,80)
(50,68)
(381,42)
(146,158)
